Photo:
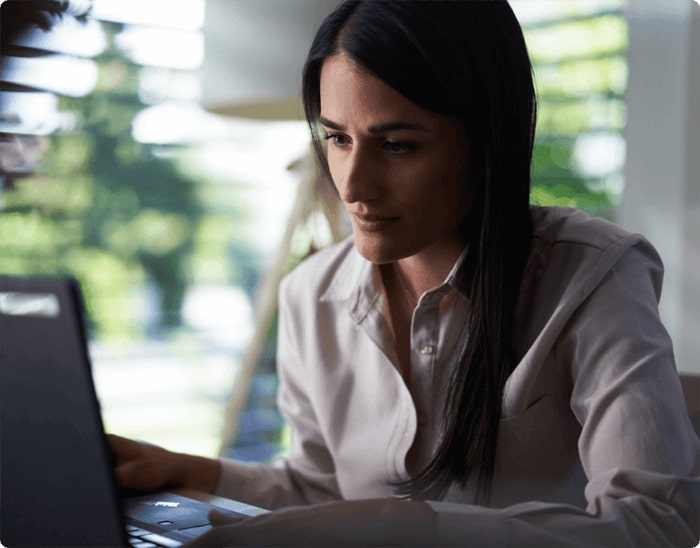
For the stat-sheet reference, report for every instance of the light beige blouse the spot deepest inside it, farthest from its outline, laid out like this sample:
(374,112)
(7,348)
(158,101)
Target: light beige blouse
(595,445)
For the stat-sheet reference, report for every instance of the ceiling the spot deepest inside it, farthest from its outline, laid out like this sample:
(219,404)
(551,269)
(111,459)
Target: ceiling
(254,54)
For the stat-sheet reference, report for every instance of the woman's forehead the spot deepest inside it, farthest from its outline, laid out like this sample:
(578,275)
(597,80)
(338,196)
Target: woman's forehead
(349,93)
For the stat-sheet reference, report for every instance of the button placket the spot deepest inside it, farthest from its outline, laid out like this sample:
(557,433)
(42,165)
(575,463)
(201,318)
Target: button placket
(424,351)
(426,348)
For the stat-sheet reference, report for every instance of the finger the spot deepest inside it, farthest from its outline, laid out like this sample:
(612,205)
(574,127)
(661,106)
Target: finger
(118,441)
(127,474)
(134,474)
(115,442)
(122,448)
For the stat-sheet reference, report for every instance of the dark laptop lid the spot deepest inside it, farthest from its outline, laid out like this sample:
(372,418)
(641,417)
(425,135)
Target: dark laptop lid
(56,484)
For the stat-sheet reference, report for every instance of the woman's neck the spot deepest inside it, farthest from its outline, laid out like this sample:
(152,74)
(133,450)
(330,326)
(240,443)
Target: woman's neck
(426,270)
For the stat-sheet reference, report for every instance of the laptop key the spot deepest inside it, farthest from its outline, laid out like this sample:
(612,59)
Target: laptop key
(134,531)
(160,540)
(138,543)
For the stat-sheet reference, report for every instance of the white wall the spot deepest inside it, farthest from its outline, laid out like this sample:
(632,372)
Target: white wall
(662,174)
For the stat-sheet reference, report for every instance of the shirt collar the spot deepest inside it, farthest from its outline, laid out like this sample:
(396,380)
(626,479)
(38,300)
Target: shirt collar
(456,277)
(355,281)
(352,273)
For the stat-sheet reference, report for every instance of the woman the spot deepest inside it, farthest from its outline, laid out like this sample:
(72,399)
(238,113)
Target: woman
(466,369)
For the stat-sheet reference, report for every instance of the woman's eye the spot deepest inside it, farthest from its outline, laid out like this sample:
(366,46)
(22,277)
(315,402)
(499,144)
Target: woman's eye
(337,139)
(397,147)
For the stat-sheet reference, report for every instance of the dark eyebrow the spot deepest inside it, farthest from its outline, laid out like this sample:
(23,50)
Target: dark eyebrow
(378,128)
(328,123)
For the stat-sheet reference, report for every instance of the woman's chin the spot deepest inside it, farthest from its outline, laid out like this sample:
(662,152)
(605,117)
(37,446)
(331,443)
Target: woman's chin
(378,250)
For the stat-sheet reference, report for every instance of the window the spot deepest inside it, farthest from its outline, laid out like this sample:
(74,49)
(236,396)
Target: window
(578,49)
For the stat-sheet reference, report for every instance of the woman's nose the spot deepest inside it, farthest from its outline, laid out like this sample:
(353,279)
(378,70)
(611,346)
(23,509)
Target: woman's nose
(356,179)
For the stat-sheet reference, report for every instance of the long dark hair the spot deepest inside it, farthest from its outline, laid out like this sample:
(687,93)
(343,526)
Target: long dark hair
(467,60)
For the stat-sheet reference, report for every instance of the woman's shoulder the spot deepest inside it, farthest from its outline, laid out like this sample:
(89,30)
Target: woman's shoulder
(573,249)
(560,226)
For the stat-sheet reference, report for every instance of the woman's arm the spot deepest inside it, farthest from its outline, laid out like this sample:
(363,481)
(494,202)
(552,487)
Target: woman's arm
(637,447)
(376,522)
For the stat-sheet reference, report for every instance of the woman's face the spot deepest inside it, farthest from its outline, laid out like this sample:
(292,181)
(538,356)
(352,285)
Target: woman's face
(399,169)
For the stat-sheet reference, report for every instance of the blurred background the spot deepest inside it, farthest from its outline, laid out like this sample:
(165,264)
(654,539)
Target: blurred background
(154,150)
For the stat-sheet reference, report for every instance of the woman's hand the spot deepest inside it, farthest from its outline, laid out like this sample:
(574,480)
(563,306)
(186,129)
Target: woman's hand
(376,522)
(144,467)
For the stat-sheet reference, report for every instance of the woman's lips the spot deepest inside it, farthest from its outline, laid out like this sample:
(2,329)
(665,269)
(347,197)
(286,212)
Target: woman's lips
(373,223)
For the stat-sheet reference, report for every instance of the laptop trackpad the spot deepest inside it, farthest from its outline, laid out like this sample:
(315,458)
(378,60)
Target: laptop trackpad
(171,512)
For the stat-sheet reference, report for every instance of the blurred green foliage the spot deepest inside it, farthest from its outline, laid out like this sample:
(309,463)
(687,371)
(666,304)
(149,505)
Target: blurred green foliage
(580,76)
(119,217)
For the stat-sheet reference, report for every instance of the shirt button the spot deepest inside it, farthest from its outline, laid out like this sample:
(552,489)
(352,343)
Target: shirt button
(427,348)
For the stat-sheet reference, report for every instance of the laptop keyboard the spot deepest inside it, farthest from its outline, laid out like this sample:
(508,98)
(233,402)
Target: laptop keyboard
(140,538)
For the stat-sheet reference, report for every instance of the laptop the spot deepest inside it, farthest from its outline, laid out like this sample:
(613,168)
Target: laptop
(57,486)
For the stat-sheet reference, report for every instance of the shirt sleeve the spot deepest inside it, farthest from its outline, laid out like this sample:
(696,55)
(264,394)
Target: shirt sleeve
(637,446)
(307,476)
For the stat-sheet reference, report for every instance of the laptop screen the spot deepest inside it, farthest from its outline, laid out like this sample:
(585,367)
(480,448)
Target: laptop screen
(56,484)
